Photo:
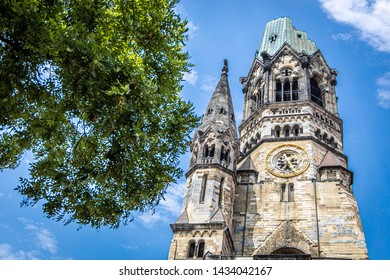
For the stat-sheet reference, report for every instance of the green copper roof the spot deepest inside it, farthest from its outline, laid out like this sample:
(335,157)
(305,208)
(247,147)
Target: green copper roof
(280,31)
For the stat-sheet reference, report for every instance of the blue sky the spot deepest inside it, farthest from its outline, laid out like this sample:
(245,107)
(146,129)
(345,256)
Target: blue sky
(354,37)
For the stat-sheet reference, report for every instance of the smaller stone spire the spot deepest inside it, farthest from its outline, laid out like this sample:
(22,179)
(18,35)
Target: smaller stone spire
(219,112)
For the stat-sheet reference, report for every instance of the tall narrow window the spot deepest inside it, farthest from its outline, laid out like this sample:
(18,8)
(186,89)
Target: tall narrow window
(209,150)
(296,130)
(203,189)
(224,155)
(286,131)
(295,94)
(290,195)
(315,92)
(200,249)
(287,193)
(283,196)
(286,91)
(221,192)
(278,96)
(191,249)
(277,131)
(260,100)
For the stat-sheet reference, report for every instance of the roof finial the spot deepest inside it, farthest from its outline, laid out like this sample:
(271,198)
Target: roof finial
(225,67)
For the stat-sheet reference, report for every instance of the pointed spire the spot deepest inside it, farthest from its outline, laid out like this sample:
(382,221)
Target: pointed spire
(219,112)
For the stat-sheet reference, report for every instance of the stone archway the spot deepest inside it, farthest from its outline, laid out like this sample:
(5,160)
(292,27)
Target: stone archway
(287,239)
(287,251)
(284,253)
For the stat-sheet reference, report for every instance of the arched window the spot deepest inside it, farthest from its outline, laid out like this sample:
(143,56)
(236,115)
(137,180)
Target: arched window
(200,249)
(277,131)
(208,150)
(286,131)
(295,130)
(315,92)
(191,249)
(325,138)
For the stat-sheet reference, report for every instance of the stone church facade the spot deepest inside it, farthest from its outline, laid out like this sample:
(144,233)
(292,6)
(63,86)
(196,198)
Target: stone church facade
(282,188)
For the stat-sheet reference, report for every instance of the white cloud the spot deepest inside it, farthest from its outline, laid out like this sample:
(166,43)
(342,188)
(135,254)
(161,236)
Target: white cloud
(383,92)
(342,36)
(8,253)
(43,239)
(191,78)
(208,84)
(192,27)
(370,18)
(168,209)
(173,197)
(149,219)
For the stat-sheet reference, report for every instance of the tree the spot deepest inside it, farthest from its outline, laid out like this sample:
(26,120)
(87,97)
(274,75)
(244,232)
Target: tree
(91,88)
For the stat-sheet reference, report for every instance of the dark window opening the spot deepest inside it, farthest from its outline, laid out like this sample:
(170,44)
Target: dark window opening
(203,189)
(286,131)
(272,38)
(277,131)
(224,154)
(278,92)
(209,151)
(200,249)
(286,91)
(296,131)
(295,95)
(220,192)
(315,92)
(191,251)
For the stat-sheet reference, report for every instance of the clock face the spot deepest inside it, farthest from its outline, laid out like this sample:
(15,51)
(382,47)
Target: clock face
(287,160)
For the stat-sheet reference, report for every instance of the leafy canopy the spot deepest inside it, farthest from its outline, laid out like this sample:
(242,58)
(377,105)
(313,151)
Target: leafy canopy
(91,88)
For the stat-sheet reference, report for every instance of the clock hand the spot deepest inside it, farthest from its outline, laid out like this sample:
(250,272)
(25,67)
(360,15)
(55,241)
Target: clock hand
(289,163)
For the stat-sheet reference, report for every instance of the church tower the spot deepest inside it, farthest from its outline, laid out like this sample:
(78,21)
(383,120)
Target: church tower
(294,194)
(205,224)
(287,193)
